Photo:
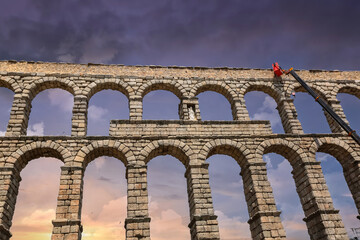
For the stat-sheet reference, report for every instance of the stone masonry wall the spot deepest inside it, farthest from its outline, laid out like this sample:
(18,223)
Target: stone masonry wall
(135,142)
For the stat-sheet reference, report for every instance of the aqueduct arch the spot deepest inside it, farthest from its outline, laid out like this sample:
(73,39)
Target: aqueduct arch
(136,141)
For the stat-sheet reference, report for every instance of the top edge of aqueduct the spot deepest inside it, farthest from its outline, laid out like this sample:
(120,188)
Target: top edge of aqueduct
(49,68)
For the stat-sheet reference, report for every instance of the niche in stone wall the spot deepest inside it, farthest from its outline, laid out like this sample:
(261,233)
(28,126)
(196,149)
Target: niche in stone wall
(191,111)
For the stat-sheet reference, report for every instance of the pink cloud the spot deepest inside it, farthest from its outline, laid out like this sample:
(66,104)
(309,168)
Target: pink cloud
(36,202)
(167,224)
(232,228)
(109,223)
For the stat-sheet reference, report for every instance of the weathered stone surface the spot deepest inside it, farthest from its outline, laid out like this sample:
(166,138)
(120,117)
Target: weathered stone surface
(135,142)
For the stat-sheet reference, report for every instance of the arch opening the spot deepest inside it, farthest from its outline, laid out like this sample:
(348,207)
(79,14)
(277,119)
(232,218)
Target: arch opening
(160,105)
(51,113)
(279,172)
(214,106)
(310,114)
(37,199)
(208,92)
(104,106)
(338,188)
(350,103)
(262,106)
(104,199)
(228,196)
(6,100)
(168,204)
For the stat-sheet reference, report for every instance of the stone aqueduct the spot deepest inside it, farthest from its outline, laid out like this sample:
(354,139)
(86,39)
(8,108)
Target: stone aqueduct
(192,141)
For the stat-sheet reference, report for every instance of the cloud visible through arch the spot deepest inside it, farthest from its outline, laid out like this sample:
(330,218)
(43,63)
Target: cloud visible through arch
(62,99)
(36,129)
(268,111)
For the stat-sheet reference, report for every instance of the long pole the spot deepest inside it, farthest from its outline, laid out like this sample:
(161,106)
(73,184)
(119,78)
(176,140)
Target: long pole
(327,108)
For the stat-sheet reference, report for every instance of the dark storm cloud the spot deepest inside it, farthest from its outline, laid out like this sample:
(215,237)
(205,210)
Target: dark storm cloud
(58,32)
(320,34)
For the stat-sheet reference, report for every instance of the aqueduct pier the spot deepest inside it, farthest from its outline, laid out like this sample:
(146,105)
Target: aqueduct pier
(135,142)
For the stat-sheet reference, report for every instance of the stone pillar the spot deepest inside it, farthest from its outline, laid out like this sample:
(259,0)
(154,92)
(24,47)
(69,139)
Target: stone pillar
(67,225)
(79,117)
(334,126)
(9,183)
(239,111)
(265,222)
(137,223)
(288,116)
(135,108)
(322,220)
(203,223)
(19,116)
(189,109)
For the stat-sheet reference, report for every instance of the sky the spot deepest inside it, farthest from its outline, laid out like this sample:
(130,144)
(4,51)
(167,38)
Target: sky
(212,33)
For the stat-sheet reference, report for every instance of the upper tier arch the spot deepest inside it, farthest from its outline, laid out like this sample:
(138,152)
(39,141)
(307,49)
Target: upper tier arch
(103,84)
(296,87)
(350,89)
(216,86)
(11,84)
(40,85)
(169,85)
(265,87)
